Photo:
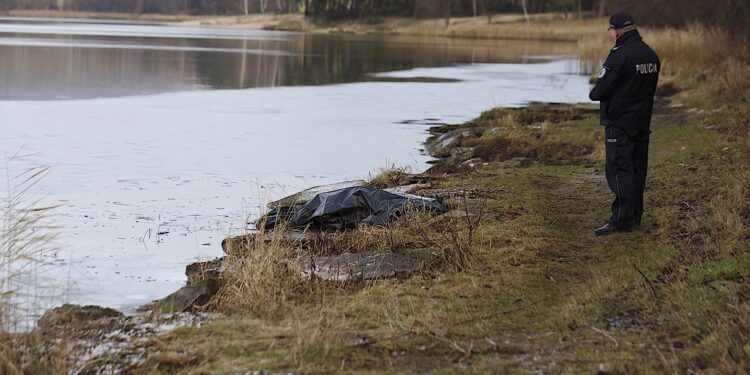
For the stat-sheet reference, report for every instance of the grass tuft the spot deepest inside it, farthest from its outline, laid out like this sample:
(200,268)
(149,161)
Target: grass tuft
(391,177)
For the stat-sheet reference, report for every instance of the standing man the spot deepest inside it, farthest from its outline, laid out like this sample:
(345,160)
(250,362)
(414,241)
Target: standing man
(625,90)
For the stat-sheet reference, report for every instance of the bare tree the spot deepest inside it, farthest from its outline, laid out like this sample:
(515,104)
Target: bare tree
(140,6)
(602,7)
(447,4)
(486,6)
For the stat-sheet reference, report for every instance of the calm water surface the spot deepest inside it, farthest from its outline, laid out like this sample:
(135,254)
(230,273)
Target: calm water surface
(163,140)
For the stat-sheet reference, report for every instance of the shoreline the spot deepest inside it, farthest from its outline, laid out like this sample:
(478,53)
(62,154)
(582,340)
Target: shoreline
(518,184)
(532,289)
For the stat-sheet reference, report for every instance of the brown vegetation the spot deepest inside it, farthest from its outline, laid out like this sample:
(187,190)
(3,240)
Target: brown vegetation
(390,177)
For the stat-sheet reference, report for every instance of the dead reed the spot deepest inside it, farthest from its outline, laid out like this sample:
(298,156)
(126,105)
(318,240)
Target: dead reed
(262,277)
(26,236)
(390,177)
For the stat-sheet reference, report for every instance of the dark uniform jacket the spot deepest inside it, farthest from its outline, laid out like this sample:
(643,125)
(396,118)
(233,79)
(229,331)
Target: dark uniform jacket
(627,83)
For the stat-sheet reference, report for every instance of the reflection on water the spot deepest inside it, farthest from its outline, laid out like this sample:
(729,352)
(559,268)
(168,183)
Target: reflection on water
(57,60)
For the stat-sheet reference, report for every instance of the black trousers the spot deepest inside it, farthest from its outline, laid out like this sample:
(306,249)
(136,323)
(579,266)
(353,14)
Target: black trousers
(626,167)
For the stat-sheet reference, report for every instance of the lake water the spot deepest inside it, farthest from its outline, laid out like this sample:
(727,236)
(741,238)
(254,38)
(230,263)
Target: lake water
(163,140)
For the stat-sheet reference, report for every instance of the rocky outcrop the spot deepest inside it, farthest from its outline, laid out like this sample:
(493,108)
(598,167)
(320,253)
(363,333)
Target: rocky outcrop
(203,282)
(488,140)
(364,266)
(74,317)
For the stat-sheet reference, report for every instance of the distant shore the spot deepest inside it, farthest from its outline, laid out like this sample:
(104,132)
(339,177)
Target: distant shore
(254,21)
(549,27)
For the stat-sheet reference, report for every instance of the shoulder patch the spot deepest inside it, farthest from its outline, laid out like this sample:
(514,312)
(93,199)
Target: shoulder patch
(603,72)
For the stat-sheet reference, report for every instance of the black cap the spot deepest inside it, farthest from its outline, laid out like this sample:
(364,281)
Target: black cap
(620,20)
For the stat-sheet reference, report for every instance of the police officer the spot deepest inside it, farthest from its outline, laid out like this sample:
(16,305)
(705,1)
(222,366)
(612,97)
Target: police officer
(625,90)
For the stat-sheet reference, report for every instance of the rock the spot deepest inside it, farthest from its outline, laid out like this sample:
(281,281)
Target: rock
(187,298)
(462,152)
(74,316)
(440,145)
(200,271)
(492,132)
(240,245)
(519,162)
(458,214)
(361,266)
(453,216)
(604,369)
(204,280)
(405,189)
(474,162)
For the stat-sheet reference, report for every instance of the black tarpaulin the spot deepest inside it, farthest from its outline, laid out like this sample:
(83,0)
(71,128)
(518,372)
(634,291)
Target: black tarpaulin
(349,207)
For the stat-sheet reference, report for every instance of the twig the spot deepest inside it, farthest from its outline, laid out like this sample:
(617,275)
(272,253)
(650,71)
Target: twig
(607,335)
(653,290)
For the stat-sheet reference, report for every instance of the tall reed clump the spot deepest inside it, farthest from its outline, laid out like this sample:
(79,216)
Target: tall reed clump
(25,237)
(695,58)
(262,276)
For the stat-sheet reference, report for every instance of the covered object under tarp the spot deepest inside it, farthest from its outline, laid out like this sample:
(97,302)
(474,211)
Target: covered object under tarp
(346,208)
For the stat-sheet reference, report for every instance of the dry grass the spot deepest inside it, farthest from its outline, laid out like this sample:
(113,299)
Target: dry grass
(25,237)
(549,26)
(543,133)
(262,280)
(391,177)
(265,276)
(317,334)
(698,58)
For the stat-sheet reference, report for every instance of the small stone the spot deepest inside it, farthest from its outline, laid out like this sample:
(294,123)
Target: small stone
(604,369)
(473,162)
(492,132)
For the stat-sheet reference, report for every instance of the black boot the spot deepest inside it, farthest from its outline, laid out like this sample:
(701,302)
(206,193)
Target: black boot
(609,228)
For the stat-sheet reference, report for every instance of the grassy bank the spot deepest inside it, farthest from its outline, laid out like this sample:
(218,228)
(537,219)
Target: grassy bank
(538,292)
(543,293)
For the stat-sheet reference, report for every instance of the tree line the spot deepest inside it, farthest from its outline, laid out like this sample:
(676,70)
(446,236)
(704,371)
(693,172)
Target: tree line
(730,14)
(329,9)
